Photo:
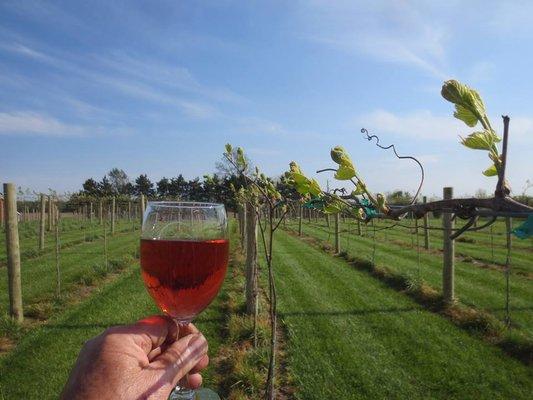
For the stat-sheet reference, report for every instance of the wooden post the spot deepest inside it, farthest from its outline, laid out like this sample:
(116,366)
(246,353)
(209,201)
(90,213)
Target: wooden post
(143,207)
(13,253)
(508,230)
(101,211)
(242,224)
(327,220)
(42,222)
(337,234)
(91,211)
(251,259)
(426,227)
(300,216)
(105,246)
(359,227)
(49,213)
(448,250)
(2,217)
(129,211)
(113,213)
(58,271)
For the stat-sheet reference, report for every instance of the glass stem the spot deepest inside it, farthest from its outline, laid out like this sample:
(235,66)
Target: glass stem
(181,392)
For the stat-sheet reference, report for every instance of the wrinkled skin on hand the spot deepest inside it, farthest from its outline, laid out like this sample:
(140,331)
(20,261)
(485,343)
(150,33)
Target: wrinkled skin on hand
(141,361)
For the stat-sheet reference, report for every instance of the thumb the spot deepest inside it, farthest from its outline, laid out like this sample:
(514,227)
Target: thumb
(180,357)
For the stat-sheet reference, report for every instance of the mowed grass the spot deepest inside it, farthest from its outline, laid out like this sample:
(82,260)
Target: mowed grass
(351,337)
(79,264)
(482,288)
(72,231)
(39,366)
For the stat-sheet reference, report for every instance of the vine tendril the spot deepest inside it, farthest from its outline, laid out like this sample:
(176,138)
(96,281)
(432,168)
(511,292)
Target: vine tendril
(369,137)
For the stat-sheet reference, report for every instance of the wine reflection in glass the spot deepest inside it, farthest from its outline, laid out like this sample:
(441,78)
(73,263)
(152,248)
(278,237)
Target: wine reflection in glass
(184,256)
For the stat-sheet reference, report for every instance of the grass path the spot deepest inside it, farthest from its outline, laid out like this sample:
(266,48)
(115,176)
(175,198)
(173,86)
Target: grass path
(474,286)
(351,337)
(38,367)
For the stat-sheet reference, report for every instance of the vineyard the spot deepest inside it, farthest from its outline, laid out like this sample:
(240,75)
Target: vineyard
(339,292)
(366,316)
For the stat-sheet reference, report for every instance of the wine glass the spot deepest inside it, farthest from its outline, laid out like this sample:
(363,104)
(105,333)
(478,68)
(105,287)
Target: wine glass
(184,256)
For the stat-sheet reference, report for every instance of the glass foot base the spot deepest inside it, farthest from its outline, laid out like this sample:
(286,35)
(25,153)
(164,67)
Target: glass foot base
(200,394)
(206,394)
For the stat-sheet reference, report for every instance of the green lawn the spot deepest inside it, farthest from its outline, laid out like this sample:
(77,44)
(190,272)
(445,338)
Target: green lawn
(351,337)
(474,286)
(79,263)
(38,367)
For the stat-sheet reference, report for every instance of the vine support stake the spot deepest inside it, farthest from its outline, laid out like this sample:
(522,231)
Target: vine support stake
(113,215)
(57,251)
(501,189)
(143,207)
(50,211)
(42,222)
(13,253)
(508,230)
(337,234)
(101,211)
(2,222)
(448,252)
(426,226)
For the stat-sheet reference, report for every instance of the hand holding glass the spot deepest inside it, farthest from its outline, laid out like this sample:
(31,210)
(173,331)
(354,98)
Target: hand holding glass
(184,256)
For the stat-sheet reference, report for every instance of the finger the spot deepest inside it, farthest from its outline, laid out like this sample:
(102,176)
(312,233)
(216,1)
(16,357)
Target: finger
(180,357)
(152,332)
(188,329)
(204,362)
(194,381)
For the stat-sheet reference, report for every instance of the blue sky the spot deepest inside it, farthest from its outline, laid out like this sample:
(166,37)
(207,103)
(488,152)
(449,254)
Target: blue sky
(159,87)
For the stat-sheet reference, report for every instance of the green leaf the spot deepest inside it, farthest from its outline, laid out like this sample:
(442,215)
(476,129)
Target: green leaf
(303,185)
(241,160)
(477,141)
(314,187)
(468,104)
(491,171)
(359,189)
(229,149)
(345,172)
(465,115)
(346,169)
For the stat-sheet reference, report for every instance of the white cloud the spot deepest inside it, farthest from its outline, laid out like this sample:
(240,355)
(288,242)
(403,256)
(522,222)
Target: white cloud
(395,32)
(424,124)
(156,86)
(30,123)
(421,124)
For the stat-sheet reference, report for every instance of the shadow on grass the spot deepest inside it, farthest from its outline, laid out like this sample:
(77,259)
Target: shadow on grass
(346,312)
(110,324)
(478,322)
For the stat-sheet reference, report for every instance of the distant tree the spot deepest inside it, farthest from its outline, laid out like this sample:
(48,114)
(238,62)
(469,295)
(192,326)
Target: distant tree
(129,189)
(163,187)
(224,168)
(143,185)
(105,187)
(399,197)
(195,190)
(178,187)
(91,188)
(119,180)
